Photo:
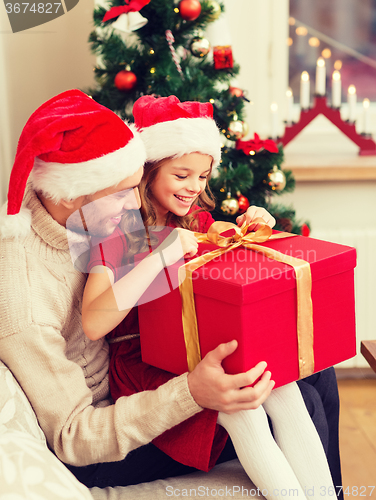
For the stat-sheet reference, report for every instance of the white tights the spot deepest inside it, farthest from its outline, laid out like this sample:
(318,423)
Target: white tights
(295,461)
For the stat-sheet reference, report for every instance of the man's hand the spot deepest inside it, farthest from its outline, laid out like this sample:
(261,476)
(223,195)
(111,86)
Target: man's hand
(253,213)
(212,388)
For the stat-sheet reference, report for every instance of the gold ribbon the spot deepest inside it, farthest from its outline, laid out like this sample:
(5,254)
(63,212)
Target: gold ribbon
(250,241)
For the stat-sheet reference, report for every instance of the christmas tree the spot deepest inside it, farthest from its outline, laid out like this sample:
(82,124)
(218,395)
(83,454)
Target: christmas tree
(160,47)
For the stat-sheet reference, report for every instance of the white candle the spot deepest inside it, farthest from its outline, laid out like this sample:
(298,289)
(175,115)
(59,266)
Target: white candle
(336,89)
(320,76)
(366,117)
(304,90)
(290,103)
(274,110)
(351,99)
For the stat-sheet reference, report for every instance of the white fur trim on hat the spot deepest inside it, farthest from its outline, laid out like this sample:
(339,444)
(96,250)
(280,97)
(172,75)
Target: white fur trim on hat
(60,181)
(14,226)
(176,138)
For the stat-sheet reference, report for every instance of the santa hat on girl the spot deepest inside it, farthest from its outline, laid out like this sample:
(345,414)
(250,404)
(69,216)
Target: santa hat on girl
(170,128)
(71,146)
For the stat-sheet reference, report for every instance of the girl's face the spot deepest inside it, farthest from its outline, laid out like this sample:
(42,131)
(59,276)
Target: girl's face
(178,183)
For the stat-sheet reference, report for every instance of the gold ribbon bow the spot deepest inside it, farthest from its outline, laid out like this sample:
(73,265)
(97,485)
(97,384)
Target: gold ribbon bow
(250,241)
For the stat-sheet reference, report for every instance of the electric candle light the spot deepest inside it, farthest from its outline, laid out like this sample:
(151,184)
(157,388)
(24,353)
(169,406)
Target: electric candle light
(290,102)
(366,117)
(336,89)
(274,110)
(320,76)
(351,99)
(304,90)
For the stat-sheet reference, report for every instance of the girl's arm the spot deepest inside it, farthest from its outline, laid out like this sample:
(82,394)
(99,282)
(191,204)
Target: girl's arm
(101,307)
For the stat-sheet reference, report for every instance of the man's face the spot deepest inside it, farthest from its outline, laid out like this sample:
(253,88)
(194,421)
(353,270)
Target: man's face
(101,212)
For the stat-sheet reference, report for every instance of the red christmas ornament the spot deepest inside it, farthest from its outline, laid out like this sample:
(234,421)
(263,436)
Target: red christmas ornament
(236,91)
(125,80)
(190,9)
(222,55)
(243,203)
(305,230)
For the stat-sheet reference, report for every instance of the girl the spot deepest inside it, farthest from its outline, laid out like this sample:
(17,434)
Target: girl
(183,146)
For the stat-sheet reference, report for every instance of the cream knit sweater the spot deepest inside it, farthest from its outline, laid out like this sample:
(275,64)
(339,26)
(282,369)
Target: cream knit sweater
(62,372)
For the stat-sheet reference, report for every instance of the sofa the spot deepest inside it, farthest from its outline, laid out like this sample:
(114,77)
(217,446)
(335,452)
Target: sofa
(29,471)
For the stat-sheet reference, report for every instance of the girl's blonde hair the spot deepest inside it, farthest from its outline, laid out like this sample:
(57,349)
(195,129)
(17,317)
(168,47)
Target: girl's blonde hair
(205,200)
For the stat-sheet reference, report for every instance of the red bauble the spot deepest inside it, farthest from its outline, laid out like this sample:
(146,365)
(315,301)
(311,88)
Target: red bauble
(125,80)
(236,91)
(243,204)
(305,230)
(190,9)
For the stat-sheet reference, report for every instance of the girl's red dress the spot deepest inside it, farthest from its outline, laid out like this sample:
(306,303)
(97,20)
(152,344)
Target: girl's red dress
(199,440)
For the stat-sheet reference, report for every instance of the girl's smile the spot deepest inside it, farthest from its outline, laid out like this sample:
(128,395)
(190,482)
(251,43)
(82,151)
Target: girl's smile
(178,183)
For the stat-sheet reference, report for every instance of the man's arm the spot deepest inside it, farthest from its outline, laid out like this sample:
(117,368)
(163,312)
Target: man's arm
(79,433)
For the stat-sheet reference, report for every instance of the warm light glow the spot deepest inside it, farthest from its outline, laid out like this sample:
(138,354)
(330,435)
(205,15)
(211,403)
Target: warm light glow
(338,64)
(176,10)
(252,153)
(289,93)
(211,101)
(305,76)
(326,53)
(351,90)
(152,70)
(314,42)
(289,41)
(320,62)
(301,31)
(151,51)
(366,103)
(291,21)
(274,107)
(336,75)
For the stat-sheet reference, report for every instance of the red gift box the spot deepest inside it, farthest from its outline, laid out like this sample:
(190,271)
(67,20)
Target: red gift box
(222,56)
(252,298)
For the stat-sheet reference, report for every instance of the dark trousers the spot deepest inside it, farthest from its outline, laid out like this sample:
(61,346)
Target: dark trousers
(148,463)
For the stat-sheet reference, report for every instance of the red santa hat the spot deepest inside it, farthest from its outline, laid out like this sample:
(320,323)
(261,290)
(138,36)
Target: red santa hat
(71,146)
(170,128)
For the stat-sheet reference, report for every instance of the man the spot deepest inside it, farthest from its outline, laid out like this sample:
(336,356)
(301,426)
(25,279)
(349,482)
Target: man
(74,150)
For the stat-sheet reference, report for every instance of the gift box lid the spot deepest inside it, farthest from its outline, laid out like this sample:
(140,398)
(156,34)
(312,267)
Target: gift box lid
(241,276)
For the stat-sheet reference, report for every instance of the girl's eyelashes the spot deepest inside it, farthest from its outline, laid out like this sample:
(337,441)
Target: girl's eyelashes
(203,177)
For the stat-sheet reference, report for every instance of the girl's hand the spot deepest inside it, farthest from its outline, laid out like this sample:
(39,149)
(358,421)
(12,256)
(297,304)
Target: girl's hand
(253,213)
(180,243)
